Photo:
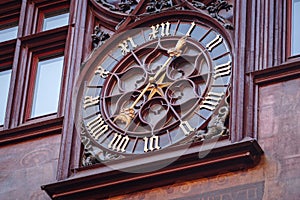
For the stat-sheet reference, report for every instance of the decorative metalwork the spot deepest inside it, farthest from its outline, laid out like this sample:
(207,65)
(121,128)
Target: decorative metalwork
(216,127)
(97,156)
(92,154)
(158,5)
(150,98)
(89,158)
(125,6)
(98,37)
(214,8)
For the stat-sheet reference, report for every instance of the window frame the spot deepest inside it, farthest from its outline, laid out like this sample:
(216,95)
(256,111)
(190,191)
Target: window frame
(44,44)
(4,67)
(42,11)
(7,62)
(32,81)
(18,53)
(9,25)
(9,16)
(289,32)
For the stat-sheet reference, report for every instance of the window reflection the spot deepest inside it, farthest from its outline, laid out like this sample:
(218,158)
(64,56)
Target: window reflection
(296,27)
(4,88)
(8,33)
(55,21)
(47,87)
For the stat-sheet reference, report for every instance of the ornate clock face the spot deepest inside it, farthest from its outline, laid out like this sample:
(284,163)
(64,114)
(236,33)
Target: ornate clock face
(155,87)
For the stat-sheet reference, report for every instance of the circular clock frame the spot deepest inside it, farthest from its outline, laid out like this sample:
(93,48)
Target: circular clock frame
(101,126)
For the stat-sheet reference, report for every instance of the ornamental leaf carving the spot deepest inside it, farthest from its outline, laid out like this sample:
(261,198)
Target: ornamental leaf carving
(217,125)
(124,6)
(158,5)
(98,37)
(214,9)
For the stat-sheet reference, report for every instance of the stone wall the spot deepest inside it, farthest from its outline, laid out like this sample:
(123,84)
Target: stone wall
(25,166)
(276,177)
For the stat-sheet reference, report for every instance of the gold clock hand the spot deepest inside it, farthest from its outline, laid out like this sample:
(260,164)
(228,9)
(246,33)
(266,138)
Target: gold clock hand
(159,85)
(173,52)
(126,115)
(151,81)
(141,95)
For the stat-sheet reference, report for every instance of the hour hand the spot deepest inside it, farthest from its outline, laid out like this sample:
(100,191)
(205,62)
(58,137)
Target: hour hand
(126,115)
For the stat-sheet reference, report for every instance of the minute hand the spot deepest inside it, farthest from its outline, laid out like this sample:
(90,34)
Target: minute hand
(173,52)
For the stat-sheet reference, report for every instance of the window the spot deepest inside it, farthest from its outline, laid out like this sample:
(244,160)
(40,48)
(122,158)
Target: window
(31,61)
(4,88)
(52,21)
(47,87)
(8,32)
(295,48)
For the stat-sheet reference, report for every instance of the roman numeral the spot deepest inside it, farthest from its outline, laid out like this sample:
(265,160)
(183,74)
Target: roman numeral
(151,144)
(212,100)
(125,45)
(222,70)
(90,101)
(186,127)
(97,127)
(190,29)
(119,143)
(102,72)
(215,42)
(165,30)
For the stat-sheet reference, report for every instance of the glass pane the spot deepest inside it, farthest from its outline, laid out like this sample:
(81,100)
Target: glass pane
(4,88)
(8,33)
(47,87)
(296,28)
(55,21)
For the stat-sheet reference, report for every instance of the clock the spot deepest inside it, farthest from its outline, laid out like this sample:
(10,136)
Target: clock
(154,86)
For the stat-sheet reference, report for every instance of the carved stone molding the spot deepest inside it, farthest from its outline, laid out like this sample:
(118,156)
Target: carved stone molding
(158,5)
(93,155)
(98,37)
(214,9)
(98,182)
(216,127)
(123,6)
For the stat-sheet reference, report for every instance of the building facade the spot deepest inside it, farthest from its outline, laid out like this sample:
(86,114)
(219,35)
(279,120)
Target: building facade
(65,64)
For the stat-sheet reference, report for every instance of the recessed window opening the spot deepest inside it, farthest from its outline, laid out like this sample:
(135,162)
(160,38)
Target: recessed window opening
(47,87)
(295,27)
(5,76)
(55,20)
(8,32)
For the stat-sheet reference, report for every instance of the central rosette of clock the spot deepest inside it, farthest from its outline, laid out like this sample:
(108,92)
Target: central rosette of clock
(155,86)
